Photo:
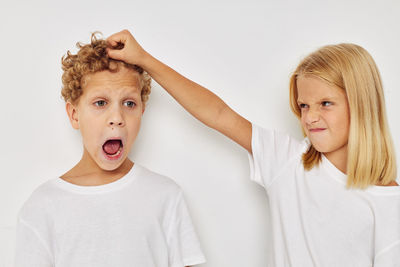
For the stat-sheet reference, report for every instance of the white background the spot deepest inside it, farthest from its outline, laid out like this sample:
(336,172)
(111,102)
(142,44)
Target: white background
(244,51)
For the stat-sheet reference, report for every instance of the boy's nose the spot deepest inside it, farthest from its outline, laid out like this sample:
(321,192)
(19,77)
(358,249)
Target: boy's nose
(116,118)
(116,123)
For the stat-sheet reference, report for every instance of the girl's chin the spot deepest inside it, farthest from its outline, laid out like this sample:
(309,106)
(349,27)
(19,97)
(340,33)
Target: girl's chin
(320,148)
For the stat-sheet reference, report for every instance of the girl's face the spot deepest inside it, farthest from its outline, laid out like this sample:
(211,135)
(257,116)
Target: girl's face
(325,115)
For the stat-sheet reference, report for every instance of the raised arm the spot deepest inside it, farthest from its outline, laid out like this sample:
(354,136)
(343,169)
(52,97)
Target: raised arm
(197,100)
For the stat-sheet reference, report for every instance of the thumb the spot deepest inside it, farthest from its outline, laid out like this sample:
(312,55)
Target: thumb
(115,53)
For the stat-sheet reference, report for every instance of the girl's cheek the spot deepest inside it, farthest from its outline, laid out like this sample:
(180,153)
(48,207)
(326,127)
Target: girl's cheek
(302,121)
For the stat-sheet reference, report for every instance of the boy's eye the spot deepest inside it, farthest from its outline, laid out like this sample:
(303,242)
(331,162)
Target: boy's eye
(131,104)
(326,103)
(100,102)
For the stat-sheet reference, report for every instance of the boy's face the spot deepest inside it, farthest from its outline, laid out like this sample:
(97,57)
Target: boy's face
(109,108)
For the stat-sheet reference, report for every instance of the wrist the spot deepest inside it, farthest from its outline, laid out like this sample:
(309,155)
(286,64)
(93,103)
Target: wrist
(145,60)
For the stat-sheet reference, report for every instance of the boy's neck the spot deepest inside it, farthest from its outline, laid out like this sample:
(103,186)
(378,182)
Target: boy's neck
(88,173)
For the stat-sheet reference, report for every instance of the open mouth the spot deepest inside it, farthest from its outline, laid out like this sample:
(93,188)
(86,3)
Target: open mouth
(113,147)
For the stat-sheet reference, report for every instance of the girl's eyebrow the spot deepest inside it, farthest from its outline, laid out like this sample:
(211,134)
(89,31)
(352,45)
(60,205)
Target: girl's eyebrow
(327,98)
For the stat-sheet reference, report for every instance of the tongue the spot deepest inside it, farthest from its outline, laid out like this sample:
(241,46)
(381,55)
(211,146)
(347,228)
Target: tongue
(111,146)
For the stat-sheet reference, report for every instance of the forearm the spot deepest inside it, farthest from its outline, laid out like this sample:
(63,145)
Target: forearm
(197,100)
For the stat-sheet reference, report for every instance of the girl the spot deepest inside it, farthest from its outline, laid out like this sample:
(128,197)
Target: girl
(333,196)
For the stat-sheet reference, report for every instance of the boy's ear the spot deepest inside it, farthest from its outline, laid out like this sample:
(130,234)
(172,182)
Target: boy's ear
(72,115)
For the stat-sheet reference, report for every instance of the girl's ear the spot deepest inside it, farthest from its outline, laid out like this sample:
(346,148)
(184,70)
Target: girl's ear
(72,112)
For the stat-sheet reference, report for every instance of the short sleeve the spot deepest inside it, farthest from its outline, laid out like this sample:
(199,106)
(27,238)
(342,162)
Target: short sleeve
(387,227)
(30,250)
(271,151)
(183,243)
(390,257)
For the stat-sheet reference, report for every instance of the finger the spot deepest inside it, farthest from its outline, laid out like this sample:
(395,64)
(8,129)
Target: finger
(115,40)
(119,37)
(115,54)
(112,43)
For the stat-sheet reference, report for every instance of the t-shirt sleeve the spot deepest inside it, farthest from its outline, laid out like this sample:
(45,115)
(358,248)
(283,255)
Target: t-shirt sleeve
(31,249)
(184,246)
(271,151)
(387,229)
(389,257)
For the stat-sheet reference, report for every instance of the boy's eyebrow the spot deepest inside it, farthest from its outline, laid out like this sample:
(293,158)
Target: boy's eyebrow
(105,92)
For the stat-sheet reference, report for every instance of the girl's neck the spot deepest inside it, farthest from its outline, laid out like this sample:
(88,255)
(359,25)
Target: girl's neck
(338,158)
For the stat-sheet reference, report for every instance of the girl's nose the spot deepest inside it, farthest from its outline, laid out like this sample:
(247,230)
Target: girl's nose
(312,116)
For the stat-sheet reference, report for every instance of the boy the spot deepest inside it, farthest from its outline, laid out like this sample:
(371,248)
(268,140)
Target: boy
(107,210)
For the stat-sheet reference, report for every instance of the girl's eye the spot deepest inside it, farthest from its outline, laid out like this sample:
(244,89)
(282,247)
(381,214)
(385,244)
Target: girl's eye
(302,106)
(100,102)
(131,104)
(326,103)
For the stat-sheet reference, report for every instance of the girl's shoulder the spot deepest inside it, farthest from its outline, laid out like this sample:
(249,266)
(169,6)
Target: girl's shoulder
(393,183)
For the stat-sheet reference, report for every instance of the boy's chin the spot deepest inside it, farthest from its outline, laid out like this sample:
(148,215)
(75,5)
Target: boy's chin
(108,164)
(111,166)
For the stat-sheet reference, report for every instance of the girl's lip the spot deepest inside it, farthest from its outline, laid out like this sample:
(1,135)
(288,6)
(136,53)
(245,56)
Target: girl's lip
(316,130)
(108,157)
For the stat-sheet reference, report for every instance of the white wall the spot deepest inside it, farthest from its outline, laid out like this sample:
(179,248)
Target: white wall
(244,51)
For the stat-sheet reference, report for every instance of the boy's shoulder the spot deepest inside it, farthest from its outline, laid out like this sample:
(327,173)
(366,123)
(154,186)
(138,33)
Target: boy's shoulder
(148,182)
(38,201)
(156,181)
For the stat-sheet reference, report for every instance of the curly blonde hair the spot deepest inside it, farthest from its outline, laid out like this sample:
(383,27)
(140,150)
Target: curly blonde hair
(92,58)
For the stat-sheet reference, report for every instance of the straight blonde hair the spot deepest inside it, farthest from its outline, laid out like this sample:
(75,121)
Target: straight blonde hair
(371,157)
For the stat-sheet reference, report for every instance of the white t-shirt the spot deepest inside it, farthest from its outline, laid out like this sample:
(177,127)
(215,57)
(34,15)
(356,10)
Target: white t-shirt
(315,220)
(139,220)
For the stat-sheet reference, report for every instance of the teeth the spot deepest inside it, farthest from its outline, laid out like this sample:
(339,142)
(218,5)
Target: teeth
(116,154)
